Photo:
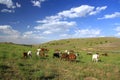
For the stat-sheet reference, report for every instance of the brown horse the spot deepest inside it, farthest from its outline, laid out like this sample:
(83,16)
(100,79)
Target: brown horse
(43,52)
(25,55)
(69,57)
(72,57)
(64,56)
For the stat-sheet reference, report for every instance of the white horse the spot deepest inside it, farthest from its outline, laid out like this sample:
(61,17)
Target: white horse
(29,53)
(95,57)
(38,52)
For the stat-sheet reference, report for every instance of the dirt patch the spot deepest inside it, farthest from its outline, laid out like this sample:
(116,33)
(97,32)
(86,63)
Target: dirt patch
(90,78)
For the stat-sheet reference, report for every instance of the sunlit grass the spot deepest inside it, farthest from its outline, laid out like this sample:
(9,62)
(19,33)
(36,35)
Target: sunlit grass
(14,67)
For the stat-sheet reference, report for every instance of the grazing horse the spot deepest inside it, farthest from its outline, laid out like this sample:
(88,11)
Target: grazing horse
(29,53)
(72,57)
(38,53)
(64,56)
(95,57)
(25,55)
(42,52)
(69,57)
(56,53)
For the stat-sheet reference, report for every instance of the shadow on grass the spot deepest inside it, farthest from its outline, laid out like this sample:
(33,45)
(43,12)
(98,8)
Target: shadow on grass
(50,77)
(47,77)
(4,67)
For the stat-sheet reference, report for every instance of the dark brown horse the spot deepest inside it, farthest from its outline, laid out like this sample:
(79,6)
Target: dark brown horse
(72,57)
(64,56)
(69,57)
(25,55)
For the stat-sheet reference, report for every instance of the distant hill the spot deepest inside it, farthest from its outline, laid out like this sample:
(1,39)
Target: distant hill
(77,44)
(100,43)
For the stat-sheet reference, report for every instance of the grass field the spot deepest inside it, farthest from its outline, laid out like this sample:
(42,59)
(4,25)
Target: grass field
(14,67)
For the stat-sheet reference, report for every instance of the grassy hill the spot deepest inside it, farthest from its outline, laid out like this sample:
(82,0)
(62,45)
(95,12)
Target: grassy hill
(88,44)
(14,67)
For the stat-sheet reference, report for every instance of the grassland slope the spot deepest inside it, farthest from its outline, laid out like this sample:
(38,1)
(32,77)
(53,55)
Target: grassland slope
(101,43)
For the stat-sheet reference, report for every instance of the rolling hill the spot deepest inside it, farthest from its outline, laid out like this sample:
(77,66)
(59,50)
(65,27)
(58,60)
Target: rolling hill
(94,44)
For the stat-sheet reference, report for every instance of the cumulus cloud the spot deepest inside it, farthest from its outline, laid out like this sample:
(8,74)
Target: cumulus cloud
(87,32)
(55,24)
(37,2)
(83,33)
(76,12)
(98,10)
(110,16)
(10,5)
(54,27)
(7,29)
(80,11)
(8,34)
(58,25)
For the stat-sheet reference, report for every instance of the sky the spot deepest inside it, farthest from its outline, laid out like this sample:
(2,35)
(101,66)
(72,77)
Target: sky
(39,21)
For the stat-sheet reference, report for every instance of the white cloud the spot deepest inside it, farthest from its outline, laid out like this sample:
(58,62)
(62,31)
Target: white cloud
(18,5)
(118,34)
(7,10)
(87,32)
(98,10)
(54,27)
(57,23)
(57,26)
(47,32)
(82,33)
(8,34)
(80,11)
(110,16)
(10,5)
(75,12)
(7,29)
(117,28)
(37,2)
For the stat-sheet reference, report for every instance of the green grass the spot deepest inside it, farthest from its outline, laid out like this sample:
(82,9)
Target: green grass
(14,67)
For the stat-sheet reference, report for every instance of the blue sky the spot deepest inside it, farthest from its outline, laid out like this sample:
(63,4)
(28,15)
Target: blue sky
(38,21)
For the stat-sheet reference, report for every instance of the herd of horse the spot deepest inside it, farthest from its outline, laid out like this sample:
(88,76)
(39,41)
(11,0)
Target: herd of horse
(66,55)
(43,52)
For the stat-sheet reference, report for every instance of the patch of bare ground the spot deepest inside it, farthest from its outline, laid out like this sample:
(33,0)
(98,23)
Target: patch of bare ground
(90,78)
